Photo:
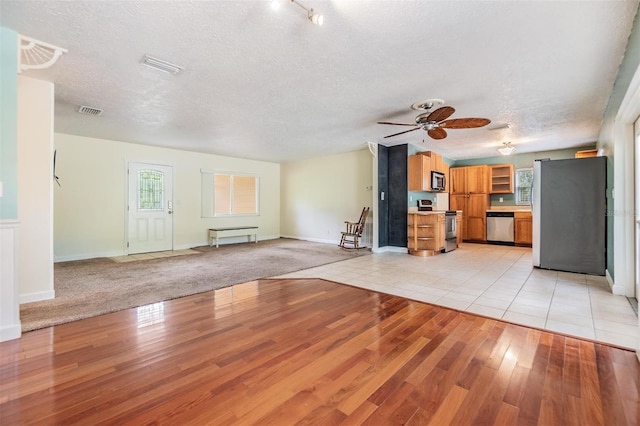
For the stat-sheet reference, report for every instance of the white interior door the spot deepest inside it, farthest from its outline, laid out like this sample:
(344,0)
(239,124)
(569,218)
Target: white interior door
(636,129)
(150,208)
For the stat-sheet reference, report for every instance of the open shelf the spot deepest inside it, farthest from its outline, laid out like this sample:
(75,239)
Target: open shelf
(501,179)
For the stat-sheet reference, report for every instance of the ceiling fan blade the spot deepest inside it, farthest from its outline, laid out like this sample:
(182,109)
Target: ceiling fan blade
(441,113)
(437,133)
(464,123)
(395,124)
(406,131)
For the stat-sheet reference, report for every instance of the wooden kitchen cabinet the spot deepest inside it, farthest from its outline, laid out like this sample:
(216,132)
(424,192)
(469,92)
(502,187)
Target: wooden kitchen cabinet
(469,180)
(477,177)
(420,167)
(458,181)
(476,225)
(425,233)
(419,173)
(468,192)
(523,228)
(501,179)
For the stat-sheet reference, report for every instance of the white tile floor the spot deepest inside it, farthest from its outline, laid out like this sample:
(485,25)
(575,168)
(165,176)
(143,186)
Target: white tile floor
(498,282)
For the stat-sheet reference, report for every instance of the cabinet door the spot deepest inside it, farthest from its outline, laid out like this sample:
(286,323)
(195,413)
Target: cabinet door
(477,179)
(458,180)
(477,217)
(442,231)
(523,224)
(460,228)
(419,173)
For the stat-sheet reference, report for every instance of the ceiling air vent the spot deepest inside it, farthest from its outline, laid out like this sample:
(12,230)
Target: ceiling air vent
(160,65)
(89,110)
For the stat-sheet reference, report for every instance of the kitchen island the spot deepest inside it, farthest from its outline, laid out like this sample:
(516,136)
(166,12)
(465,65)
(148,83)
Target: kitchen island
(427,232)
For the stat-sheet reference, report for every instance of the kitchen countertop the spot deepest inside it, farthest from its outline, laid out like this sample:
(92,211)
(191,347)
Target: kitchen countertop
(431,212)
(494,209)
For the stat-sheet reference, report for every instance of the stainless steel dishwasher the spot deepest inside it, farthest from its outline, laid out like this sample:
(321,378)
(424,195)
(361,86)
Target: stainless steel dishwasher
(500,229)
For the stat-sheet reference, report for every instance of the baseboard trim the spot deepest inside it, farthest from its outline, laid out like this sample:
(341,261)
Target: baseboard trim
(615,289)
(37,297)
(10,327)
(313,240)
(391,249)
(84,256)
(115,253)
(10,332)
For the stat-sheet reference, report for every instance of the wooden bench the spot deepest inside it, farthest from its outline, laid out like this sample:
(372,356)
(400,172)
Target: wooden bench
(233,231)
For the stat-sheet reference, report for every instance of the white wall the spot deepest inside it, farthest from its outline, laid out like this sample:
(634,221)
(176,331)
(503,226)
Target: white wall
(89,208)
(318,195)
(35,196)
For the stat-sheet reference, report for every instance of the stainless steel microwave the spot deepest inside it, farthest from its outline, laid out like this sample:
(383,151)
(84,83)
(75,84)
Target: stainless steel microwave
(437,181)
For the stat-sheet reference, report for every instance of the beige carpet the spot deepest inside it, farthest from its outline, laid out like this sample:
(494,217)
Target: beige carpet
(87,288)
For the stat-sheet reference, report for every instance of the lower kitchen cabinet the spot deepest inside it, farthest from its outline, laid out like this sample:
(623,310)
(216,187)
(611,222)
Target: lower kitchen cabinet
(523,225)
(459,227)
(425,233)
(474,215)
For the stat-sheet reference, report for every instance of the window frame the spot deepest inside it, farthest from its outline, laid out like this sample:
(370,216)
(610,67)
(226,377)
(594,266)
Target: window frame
(209,195)
(517,200)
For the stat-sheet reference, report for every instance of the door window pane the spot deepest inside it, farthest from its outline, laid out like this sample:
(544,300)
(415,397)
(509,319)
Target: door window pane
(150,190)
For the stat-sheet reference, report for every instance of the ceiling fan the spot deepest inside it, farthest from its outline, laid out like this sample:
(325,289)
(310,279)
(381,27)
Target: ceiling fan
(435,122)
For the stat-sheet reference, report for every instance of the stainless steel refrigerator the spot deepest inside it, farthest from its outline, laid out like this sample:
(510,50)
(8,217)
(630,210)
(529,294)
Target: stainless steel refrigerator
(569,215)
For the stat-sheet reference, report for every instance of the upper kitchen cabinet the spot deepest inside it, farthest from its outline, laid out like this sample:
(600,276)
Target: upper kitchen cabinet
(469,180)
(501,179)
(420,167)
(469,193)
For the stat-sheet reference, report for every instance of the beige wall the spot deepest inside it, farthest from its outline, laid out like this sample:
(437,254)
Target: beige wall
(89,208)
(35,196)
(318,195)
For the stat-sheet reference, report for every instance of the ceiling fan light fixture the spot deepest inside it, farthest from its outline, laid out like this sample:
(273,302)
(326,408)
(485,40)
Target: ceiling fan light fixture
(507,149)
(427,105)
(314,17)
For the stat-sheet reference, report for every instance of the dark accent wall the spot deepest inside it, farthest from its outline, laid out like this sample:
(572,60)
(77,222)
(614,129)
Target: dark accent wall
(383,187)
(398,188)
(392,211)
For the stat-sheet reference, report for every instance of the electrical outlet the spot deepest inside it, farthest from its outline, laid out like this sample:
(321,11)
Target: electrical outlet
(410,197)
(501,199)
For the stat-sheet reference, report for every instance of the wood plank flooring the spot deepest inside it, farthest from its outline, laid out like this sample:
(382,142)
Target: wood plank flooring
(308,351)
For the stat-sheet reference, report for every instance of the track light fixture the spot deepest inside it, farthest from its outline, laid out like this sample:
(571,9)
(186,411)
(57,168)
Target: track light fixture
(507,149)
(314,17)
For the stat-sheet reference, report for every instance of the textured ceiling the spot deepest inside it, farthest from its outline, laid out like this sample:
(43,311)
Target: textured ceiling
(270,85)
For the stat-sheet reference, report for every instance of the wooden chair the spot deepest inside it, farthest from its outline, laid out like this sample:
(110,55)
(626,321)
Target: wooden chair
(351,237)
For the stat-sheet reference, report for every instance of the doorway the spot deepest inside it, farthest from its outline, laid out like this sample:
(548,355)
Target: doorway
(149,208)
(636,132)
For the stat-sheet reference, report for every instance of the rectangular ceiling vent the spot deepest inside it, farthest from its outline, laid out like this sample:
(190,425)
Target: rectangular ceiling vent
(89,110)
(160,65)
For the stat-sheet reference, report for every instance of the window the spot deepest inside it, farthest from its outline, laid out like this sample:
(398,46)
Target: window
(150,190)
(225,194)
(524,182)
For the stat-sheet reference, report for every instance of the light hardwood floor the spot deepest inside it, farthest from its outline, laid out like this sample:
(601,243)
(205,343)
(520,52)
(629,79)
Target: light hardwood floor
(309,351)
